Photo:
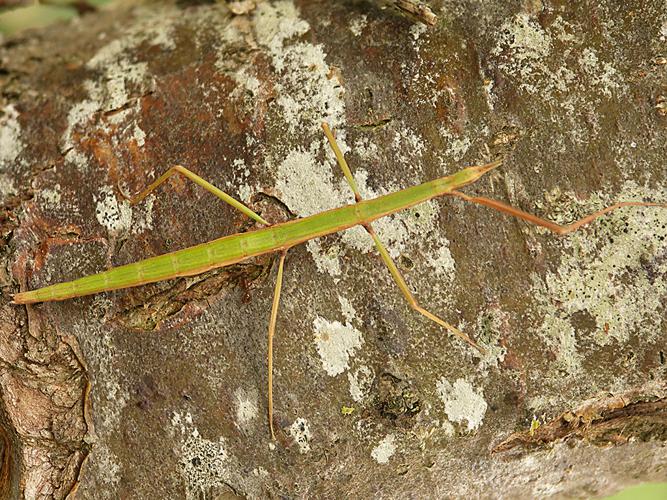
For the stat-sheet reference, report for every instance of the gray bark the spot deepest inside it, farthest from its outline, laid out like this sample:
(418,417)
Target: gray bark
(160,391)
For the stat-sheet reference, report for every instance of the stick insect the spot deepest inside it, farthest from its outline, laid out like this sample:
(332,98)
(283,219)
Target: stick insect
(281,237)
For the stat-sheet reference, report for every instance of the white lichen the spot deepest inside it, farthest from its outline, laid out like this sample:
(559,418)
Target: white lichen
(560,336)
(78,115)
(327,260)
(348,310)
(248,82)
(336,343)
(462,402)
(416,31)
(407,139)
(300,432)
(358,24)
(307,90)
(275,23)
(455,147)
(490,325)
(142,216)
(306,184)
(139,135)
(7,186)
(361,381)
(49,198)
(114,216)
(204,464)
(365,149)
(385,449)
(121,77)
(11,145)
(611,272)
(246,407)
(525,38)
(441,260)
(601,75)
(531,58)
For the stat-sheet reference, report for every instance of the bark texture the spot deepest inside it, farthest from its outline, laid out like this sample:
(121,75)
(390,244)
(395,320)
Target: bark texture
(159,391)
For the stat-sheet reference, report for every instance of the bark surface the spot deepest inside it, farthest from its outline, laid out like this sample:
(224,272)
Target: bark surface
(160,391)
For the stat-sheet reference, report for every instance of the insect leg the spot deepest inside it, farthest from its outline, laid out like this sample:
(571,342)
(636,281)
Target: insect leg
(396,274)
(405,290)
(552,226)
(178,169)
(341,161)
(272,330)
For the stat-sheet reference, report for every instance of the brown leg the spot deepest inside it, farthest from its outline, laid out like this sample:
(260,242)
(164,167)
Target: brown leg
(272,330)
(552,226)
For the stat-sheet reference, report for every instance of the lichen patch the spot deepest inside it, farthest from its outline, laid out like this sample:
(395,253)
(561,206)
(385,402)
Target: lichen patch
(615,271)
(49,198)
(142,216)
(347,309)
(358,24)
(416,31)
(307,90)
(205,463)
(246,407)
(275,23)
(455,146)
(528,52)
(361,381)
(139,135)
(122,78)
(327,260)
(11,145)
(441,260)
(462,402)
(407,139)
(7,186)
(306,184)
(602,75)
(385,449)
(114,216)
(492,325)
(300,432)
(525,37)
(336,343)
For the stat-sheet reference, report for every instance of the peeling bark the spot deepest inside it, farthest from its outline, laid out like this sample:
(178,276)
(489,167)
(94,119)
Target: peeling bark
(159,391)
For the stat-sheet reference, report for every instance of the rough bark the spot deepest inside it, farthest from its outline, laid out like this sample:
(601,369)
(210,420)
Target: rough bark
(159,391)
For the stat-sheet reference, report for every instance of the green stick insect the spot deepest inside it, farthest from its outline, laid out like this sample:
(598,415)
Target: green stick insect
(281,237)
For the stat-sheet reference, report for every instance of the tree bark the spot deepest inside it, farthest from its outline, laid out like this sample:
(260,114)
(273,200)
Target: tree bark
(160,391)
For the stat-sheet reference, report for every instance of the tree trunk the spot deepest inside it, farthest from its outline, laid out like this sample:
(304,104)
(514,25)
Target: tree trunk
(159,391)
